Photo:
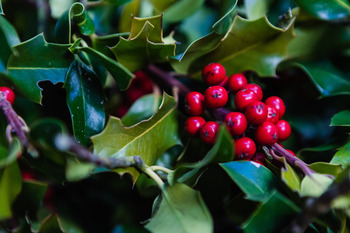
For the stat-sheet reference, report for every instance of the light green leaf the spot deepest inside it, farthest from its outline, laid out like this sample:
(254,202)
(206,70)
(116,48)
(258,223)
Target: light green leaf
(259,47)
(314,186)
(85,102)
(58,7)
(162,5)
(255,180)
(326,168)
(51,63)
(181,209)
(181,9)
(77,170)
(256,9)
(10,187)
(291,178)
(341,119)
(342,156)
(149,139)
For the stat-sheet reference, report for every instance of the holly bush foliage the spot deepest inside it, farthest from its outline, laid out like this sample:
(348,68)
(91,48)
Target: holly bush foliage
(72,65)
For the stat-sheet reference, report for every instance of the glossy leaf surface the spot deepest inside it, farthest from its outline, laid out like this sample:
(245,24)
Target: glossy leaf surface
(342,156)
(181,9)
(224,23)
(341,119)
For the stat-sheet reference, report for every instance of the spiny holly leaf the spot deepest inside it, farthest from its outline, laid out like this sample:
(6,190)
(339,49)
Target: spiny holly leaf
(36,60)
(149,139)
(255,180)
(341,119)
(222,151)
(315,185)
(181,209)
(103,43)
(145,44)
(248,45)
(85,102)
(181,10)
(224,23)
(342,156)
(325,10)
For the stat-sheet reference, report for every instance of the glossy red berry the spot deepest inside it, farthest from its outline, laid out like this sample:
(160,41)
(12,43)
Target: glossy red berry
(245,148)
(256,112)
(272,115)
(209,131)
(236,123)
(215,97)
(213,74)
(8,94)
(243,98)
(266,134)
(237,82)
(283,130)
(194,103)
(193,124)
(278,104)
(256,88)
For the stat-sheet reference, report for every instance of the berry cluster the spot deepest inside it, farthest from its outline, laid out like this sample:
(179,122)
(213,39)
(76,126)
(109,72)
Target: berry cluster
(255,122)
(8,94)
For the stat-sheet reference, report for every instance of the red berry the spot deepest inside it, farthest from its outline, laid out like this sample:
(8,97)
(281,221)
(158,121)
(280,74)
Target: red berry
(193,124)
(213,74)
(243,98)
(256,112)
(194,103)
(236,123)
(283,130)
(259,157)
(209,131)
(256,88)
(266,134)
(215,97)
(272,115)
(237,82)
(278,104)
(8,94)
(245,148)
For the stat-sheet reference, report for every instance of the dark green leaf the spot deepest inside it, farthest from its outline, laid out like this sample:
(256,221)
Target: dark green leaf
(1,12)
(224,23)
(116,2)
(149,139)
(256,9)
(222,151)
(103,43)
(255,180)
(181,10)
(341,119)
(142,109)
(325,10)
(181,210)
(271,216)
(9,155)
(50,224)
(342,156)
(85,102)
(51,63)
(10,187)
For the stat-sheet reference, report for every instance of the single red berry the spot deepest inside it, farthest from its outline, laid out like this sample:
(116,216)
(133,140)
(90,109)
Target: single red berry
(259,156)
(245,148)
(256,112)
(237,82)
(256,88)
(193,125)
(213,74)
(133,94)
(283,130)
(209,131)
(236,123)
(215,97)
(243,98)
(8,94)
(266,134)
(291,152)
(278,104)
(194,103)
(272,115)
(142,81)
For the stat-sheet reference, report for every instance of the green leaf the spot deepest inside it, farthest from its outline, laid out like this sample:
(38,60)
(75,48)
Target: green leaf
(224,23)
(328,80)
(116,2)
(149,139)
(326,168)
(145,44)
(290,178)
(51,63)
(142,109)
(271,216)
(256,9)
(255,180)
(77,170)
(1,12)
(50,224)
(85,102)
(9,155)
(10,187)
(162,5)
(181,9)
(342,156)
(222,151)
(325,10)
(103,43)
(259,47)
(182,209)
(315,185)
(77,14)
(341,119)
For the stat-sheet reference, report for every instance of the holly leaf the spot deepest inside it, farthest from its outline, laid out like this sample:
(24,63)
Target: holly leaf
(181,10)
(255,180)
(50,224)
(222,151)
(256,9)
(149,139)
(103,43)
(290,177)
(248,45)
(181,209)
(1,12)
(223,24)
(315,185)
(341,119)
(116,2)
(326,168)
(36,60)
(145,44)
(9,155)
(342,156)
(85,102)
